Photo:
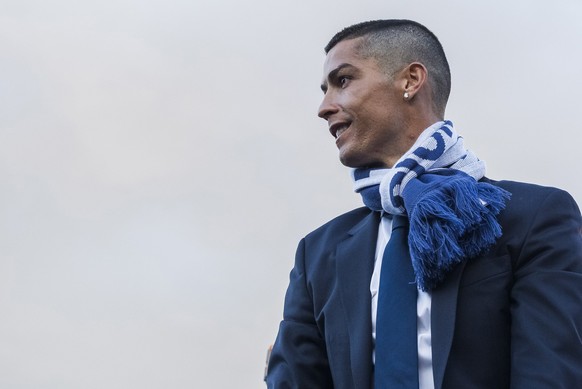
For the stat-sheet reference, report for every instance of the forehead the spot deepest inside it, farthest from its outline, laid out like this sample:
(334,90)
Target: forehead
(347,51)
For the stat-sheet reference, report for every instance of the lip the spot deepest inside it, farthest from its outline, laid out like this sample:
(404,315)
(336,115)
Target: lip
(337,126)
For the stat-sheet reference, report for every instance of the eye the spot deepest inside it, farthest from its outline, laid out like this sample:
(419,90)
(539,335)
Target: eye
(343,81)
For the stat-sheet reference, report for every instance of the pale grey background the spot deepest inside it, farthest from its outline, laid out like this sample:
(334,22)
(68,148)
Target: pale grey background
(160,160)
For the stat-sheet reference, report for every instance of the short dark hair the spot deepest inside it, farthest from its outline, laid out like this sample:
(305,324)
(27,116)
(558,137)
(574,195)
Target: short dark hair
(395,43)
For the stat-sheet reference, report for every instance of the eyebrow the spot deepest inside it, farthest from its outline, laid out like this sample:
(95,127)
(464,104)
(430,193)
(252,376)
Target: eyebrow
(333,74)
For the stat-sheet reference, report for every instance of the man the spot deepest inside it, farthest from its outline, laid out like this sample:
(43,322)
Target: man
(445,279)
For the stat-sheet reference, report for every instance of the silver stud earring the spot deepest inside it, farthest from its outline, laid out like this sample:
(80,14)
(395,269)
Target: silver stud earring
(406,95)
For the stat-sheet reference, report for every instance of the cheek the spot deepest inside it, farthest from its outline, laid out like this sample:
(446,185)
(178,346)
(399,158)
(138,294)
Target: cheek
(349,102)
(375,116)
(354,98)
(375,107)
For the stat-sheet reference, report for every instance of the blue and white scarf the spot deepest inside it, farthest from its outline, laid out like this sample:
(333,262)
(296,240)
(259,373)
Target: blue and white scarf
(452,215)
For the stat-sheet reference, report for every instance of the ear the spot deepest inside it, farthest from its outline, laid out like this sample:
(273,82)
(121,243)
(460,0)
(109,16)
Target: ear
(414,78)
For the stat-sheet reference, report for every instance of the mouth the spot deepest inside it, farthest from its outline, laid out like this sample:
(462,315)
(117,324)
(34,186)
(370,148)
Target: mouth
(337,129)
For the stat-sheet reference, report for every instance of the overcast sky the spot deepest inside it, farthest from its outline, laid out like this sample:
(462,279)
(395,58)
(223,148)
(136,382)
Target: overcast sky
(160,160)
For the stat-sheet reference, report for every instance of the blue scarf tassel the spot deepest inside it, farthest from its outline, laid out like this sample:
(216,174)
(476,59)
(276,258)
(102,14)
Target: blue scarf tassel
(452,218)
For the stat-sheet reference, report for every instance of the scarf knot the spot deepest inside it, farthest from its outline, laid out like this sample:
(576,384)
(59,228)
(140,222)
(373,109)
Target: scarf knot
(436,185)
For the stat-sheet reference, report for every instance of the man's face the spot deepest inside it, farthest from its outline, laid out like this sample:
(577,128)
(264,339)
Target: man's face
(363,107)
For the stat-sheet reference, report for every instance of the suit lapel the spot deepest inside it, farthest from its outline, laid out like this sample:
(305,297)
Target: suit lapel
(443,315)
(355,264)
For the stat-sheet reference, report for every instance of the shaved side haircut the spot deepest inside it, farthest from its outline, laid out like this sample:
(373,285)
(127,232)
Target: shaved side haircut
(397,43)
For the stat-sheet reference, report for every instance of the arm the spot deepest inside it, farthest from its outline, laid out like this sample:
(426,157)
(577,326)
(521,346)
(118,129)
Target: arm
(299,357)
(546,298)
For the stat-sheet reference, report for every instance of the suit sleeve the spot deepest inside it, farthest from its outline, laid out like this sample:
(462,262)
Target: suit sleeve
(299,358)
(546,298)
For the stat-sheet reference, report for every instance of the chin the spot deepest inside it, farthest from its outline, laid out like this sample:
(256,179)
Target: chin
(364,156)
(346,160)
(354,160)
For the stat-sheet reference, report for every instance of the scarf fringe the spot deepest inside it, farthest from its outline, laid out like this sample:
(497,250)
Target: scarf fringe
(453,221)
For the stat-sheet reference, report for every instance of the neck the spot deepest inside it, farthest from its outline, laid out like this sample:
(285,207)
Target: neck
(414,127)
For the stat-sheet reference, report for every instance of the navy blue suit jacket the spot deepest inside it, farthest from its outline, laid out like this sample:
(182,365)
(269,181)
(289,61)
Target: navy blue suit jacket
(511,318)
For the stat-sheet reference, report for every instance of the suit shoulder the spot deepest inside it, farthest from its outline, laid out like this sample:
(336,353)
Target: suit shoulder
(531,193)
(529,199)
(517,186)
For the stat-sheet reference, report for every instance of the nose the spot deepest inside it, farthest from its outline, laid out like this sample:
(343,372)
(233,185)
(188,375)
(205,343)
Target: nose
(327,107)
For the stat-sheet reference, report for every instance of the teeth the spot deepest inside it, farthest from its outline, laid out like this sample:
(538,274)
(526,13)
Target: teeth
(340,130)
